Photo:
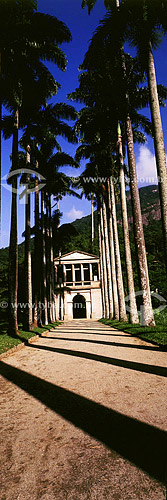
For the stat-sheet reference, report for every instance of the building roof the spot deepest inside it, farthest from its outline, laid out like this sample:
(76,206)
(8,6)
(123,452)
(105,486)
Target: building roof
(77,255)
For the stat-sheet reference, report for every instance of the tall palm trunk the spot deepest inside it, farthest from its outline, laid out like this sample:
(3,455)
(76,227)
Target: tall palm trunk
(43,281)
(53,280)
(92,222)
(104,265)
(13,247)
(101,268)
(158,144)
(36,253)
(52,296)
(147,312)
(112,257)
(48,274)
(128,259)
(28,277)
(108,265)
(122,308)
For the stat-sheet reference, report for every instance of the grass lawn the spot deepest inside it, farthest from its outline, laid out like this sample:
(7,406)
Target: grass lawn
(7,342)
(156,334)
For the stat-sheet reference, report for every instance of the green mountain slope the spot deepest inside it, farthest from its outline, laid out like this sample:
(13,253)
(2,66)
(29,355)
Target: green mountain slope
(150,206)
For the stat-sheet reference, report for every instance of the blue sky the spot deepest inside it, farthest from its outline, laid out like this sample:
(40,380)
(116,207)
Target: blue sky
(82,26)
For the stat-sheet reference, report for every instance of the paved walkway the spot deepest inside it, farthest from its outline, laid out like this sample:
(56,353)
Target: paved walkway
(83,417)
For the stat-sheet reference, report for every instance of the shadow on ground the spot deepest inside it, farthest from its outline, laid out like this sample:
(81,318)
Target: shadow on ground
(106,342)
(131,365)
(140,443)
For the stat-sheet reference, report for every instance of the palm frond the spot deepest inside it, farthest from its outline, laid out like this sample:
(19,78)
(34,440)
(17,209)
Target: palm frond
(54,54)
(62,159)
(66,131)
(84,151)
(89,3)
(46,27)
(7,125)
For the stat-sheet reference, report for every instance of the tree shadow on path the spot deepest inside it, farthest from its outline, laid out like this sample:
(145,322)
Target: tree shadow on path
(89,331)
(131,365)
(140,443)
(106,342)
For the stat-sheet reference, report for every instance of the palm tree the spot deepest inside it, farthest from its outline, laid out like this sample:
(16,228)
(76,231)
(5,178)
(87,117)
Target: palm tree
(34,47)
(10,12)
(106,296)
(112,256)
(13,249)
(8,56)
(52,274)
(108,265)
(29,117)
(27,179)
(101,268)
(43,294)
(107,252)
(50,124)
(28,278)
(106,38)
(37,247)
(148,317)
(87,124)
(133,306)
(131,289)
(122,308)
(42,88)
(144,25)
(89,190)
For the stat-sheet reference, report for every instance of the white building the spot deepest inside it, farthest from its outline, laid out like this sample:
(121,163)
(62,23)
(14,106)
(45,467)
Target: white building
(78,288)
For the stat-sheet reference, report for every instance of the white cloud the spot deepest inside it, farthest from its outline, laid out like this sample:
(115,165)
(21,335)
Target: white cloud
(146,167)
(72,173)
(74,214)
(4,238)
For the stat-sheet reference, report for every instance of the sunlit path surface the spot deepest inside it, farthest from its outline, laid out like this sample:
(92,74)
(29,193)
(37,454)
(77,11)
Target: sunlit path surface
(83,416)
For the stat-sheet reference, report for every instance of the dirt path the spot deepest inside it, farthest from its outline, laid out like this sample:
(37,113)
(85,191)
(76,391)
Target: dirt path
(83,417)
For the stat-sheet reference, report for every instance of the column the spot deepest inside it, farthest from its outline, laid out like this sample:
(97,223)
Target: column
(82,273)
(64,272)
(90,270)
(73,273)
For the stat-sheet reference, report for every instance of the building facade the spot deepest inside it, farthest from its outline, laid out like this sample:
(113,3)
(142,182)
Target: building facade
(78,287)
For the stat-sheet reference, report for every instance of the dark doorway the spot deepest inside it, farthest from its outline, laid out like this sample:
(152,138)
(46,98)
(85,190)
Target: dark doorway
(79,307)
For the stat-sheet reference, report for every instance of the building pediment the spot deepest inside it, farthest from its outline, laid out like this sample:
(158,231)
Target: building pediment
(78,256)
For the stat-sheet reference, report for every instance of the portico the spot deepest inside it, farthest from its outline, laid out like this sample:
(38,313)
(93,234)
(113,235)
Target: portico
(78,287)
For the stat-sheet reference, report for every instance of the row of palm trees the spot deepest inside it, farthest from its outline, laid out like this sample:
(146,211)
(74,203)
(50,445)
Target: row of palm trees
(111,87)
(143,24)
(28,38)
